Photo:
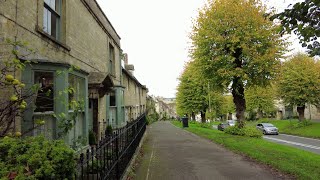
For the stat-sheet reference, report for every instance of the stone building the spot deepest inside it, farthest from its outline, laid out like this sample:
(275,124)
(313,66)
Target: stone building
(77,59)
(135,93)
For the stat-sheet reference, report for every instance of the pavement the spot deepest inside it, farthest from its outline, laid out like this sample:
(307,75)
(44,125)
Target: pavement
(171,153)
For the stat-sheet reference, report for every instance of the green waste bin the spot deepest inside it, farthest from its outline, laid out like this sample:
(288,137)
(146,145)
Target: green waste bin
(185,122)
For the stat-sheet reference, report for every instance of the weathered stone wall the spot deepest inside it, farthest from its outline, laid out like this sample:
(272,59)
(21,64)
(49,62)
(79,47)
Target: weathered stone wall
(86,38)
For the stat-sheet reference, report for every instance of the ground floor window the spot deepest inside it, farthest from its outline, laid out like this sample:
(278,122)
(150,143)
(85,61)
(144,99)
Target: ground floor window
(45,95)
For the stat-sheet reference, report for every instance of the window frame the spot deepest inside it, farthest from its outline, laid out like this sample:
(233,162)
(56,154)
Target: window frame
(54,12)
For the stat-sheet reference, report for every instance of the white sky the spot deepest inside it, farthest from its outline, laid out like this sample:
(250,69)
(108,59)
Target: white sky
(154,33)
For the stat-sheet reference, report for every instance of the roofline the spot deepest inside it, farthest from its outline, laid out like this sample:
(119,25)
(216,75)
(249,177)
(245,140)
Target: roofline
(134,79)
(113,35)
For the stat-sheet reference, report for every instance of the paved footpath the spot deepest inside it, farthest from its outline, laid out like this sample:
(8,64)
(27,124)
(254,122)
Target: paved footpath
(171,153)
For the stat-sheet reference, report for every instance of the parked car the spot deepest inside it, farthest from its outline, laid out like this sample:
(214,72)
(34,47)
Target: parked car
(267,128)
(222,126)
(231,122)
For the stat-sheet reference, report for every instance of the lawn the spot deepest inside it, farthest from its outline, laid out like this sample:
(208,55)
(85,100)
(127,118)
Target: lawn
(288,127)
(299,163)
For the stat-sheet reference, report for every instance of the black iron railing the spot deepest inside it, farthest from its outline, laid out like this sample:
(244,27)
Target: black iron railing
(110,158)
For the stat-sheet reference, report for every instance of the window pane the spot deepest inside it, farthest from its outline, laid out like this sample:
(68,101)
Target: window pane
(54,26)
(76,90)
(45,20)
(44,101)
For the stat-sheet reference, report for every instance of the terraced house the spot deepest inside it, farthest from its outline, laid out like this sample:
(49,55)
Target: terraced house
(135,94)
(77,59)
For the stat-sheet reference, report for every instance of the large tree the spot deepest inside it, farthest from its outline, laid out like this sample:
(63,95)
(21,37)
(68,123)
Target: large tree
(191,93)
(303,19)
(300,82)
(234,46)
(260,99)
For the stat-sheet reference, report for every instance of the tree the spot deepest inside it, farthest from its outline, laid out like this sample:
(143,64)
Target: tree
(221,105)
(300,82)
(235,46)
(191,93)
(260,99)
(303,19)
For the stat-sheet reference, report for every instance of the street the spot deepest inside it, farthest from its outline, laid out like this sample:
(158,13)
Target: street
(308,144)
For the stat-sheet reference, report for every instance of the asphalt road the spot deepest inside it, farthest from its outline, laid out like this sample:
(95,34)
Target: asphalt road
(171,153)
(307,144)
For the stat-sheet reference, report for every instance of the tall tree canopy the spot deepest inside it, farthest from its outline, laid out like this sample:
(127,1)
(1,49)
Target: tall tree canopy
(191,93)
(300,82)
(234,46)
(260,99)
(303,19)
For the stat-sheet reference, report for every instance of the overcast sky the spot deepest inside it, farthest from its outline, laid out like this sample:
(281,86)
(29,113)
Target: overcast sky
(154,33)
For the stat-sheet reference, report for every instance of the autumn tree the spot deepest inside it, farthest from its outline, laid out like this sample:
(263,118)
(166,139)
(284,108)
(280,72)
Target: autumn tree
(191,93)
(303,19)
(260,99)
(235,45)
(300,82)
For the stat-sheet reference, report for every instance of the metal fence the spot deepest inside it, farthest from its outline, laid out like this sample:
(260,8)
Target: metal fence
(110,158)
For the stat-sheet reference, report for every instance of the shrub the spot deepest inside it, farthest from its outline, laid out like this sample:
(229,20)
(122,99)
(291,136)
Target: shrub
(205,125)
(92,138)
(36,158)
(303,123)
(246,131)
(109,130)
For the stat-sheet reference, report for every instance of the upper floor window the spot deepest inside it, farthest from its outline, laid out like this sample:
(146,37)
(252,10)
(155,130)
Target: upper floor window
(112,62)
(52,17)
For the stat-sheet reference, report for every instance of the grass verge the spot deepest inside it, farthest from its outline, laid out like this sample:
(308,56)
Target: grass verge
(296,162)
(290,127)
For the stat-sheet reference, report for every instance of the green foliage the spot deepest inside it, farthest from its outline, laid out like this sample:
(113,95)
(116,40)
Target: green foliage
(235,45)
(36,158)
(303,123)
(246,131)
(303,19)
(109,130)
(151,118)
(300,81)
(14,103)
(281,157)
(191,92)
(260,99)
(92,138)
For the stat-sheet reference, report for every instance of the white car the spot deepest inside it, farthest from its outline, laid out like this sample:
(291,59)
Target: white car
(231,122)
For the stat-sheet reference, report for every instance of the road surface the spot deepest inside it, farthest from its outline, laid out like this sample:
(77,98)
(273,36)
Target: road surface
(308,144)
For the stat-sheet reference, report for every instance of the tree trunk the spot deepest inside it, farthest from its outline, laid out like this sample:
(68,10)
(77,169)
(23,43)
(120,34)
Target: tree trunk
(229,115)
(238,90)
(300,110)
(203,117)
(260,114)
(193,116)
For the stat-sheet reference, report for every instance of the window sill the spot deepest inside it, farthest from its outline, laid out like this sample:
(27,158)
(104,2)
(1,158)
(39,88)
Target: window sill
(43,113)
(39,30)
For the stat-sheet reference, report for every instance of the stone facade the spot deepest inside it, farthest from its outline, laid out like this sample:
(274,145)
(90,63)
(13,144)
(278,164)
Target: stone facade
(84,38)
(135,94)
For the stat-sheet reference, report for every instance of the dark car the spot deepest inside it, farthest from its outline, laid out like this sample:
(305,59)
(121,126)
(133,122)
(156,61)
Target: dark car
(222,126)
(267,128)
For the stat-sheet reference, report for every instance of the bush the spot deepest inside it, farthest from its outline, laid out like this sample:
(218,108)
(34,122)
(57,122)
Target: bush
(36,158)
(205,125)
(303,123)
(109,130)
(246,131)
(92,138)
